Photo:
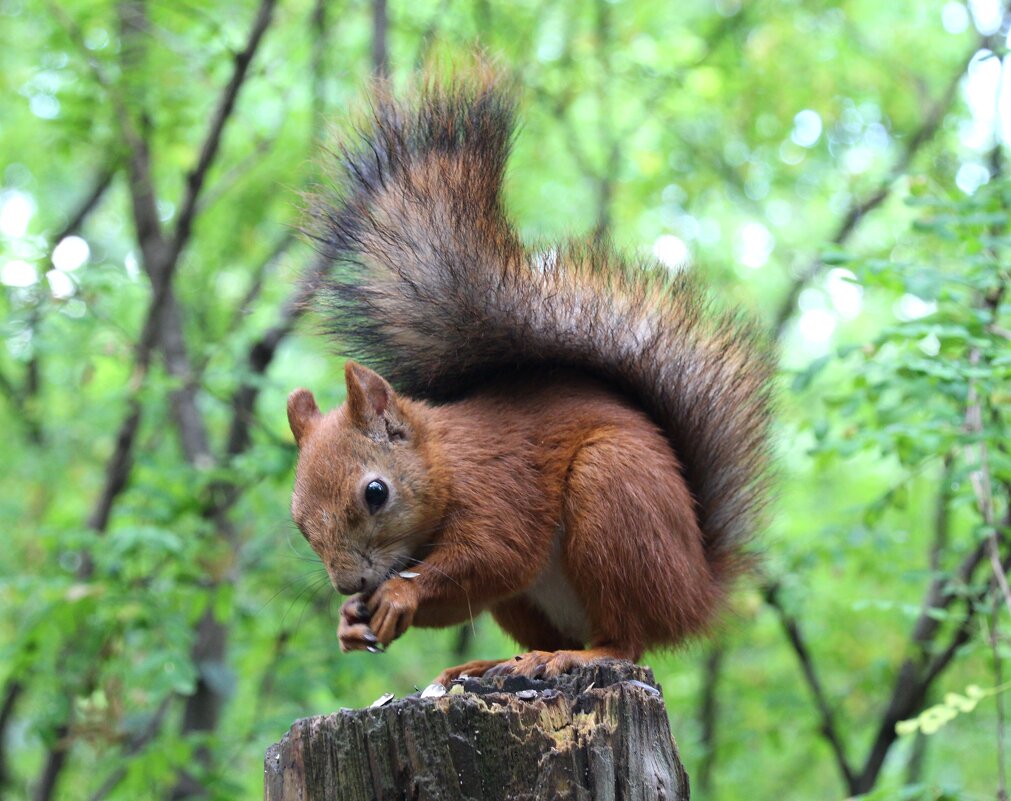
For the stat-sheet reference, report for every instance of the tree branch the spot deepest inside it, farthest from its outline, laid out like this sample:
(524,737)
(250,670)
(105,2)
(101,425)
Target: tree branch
(998,681)
(202,713)
(712,667)
(605,111)
(21,397)
(12,693)
(829,727)
(259,274)
(380,31)
(431,34)
(858,210)
(212,141)
(909,689)
(261,354)
(134,746)
(161,261)
(202,709)
(317,69)
(919,671)
(99,186)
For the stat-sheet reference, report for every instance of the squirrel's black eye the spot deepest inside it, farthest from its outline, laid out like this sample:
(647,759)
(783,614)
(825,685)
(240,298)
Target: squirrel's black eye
(376,494)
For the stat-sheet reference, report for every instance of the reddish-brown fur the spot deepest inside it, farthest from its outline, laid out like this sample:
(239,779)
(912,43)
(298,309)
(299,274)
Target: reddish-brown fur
(482,490)
(581,443)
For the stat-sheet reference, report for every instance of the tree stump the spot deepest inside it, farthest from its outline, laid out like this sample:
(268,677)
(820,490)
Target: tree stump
(597,733)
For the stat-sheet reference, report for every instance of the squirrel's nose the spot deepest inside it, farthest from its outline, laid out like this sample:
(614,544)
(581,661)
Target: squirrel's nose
(351,586)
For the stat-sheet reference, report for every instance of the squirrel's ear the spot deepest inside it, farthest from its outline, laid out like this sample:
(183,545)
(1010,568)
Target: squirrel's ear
(369,395)
(302,413)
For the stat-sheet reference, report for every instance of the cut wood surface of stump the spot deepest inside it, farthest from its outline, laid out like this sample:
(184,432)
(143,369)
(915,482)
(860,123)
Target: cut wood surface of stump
(600,732)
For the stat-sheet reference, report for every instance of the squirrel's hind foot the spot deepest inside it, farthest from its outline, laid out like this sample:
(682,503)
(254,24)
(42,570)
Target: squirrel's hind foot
(534,664)
(475,669)
(548,664)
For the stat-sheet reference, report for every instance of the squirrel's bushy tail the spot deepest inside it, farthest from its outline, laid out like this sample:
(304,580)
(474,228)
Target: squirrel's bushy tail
(433,288)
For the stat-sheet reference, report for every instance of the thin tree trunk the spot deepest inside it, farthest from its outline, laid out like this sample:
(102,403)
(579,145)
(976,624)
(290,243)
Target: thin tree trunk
(709,713)
(380,30)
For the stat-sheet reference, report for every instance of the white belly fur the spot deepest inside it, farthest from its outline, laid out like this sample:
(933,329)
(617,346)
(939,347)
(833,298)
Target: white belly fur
(553,594)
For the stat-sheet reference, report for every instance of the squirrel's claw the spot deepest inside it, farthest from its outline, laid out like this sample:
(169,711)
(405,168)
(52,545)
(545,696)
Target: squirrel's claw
(357,637)
(539,664)
(353,631)
(393,606)
(372,623)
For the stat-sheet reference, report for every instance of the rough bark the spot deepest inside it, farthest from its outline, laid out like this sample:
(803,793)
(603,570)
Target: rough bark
(599,733)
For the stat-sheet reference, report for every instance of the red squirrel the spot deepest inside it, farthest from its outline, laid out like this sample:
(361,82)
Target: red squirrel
(570,439)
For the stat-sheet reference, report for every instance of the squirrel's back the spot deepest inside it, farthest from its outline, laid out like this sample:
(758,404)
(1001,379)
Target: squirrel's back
(433,288)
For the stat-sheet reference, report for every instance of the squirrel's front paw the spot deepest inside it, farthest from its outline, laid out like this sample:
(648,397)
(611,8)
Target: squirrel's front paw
(392,607)
(353,630)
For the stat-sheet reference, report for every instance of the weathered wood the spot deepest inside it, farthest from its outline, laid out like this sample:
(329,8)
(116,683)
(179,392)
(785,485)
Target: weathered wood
(599,733)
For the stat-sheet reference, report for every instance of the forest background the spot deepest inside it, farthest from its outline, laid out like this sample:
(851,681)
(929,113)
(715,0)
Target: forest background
(836,168)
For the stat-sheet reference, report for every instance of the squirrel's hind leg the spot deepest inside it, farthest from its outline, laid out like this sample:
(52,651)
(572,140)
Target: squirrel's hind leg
(632,547)
(527,625)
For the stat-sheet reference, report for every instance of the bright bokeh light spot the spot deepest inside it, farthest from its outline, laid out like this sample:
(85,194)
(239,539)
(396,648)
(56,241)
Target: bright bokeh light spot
(551,44)
(727,8)
(911,307)
(672,252)
(954,17)
(18,273)
(817,325)
(845,294)
(858,159)
(16,210)
(806,128)
(70,254)
(60,284)
(43,106)
(987,14)
(930,345)
(810,298)
(754,245)
(688,226)
(96,39)
(971,176)
(1004,99)
(980,86)
(876,136)
(131,265)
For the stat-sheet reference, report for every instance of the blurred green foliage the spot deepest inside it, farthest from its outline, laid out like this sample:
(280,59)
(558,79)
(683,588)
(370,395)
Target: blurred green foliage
(831,166)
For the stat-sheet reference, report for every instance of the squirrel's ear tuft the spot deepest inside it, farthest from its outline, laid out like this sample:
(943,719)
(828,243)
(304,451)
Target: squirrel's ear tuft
(369,396)
(302,413)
